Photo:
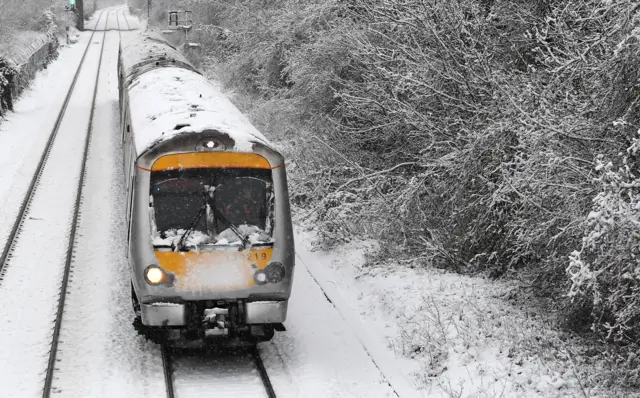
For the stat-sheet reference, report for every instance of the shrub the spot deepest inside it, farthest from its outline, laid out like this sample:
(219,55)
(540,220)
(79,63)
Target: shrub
(605,271)
(7,74)
(463,133)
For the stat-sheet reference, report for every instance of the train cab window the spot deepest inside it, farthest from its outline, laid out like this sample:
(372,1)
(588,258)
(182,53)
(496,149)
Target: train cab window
(214,205)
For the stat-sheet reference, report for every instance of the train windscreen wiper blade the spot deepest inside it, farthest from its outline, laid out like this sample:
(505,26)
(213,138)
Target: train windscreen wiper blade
(181,243)
(234,229)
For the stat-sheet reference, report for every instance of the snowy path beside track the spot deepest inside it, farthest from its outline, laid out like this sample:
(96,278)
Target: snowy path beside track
(319,351)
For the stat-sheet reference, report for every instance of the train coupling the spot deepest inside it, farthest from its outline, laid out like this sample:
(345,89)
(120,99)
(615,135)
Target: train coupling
(216,321)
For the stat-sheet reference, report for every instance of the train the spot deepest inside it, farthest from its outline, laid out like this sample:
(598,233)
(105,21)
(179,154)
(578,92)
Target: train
(210,237)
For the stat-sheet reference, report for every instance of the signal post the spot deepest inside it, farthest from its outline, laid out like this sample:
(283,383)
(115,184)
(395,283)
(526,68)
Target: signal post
(77,7)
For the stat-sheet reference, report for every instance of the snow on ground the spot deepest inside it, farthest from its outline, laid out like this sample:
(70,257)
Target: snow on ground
(30,286)
(452,335)
(319,352)
(100,354)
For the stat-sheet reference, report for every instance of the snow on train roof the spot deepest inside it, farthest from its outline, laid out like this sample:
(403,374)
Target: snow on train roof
(163,99)
(140,47)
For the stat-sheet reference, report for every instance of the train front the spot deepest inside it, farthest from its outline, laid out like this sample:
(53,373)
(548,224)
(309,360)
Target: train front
(211,243)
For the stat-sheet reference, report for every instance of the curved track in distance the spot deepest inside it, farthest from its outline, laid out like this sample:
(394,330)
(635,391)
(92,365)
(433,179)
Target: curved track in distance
(125,20)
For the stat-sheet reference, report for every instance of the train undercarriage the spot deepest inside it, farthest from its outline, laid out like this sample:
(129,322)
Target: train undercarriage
(211,322)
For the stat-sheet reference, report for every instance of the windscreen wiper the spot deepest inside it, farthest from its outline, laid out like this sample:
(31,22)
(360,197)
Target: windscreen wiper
(234,229)
(181,243)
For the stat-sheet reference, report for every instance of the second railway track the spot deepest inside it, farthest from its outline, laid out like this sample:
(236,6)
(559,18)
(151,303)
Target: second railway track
(74,223)
(239,374)
(126,21)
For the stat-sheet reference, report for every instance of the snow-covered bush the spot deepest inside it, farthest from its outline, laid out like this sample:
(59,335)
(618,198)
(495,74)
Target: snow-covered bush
(605,271)
(24,15)
(20,24)
(460,133)
(7,74)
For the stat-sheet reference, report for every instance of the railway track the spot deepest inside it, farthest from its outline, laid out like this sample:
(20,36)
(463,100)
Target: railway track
(125,20)
(243,367)
(96,339)
(167,367)
(118,28)
(74,223)
(263,372)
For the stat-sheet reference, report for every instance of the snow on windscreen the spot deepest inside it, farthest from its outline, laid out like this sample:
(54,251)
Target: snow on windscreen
(172,237)
(252,232)
(215,206)
(196,239)
(165,98)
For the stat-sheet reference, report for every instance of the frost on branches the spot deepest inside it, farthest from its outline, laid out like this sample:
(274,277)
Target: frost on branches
(606,270)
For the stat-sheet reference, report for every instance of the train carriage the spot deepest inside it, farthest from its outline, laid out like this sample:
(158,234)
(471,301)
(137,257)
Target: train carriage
(210,242)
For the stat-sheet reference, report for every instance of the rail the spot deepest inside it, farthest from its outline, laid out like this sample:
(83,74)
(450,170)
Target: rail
(72,235)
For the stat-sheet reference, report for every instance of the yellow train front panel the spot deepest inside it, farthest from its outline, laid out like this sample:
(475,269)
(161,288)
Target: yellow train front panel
(214,270)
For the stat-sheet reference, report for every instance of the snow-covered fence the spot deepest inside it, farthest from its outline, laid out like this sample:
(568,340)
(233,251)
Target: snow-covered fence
(18,70)
(32,59)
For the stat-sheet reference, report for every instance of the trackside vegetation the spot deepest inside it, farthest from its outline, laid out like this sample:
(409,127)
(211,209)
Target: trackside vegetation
(484,136)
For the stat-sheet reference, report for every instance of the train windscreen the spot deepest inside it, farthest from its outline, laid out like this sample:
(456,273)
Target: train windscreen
(211,206)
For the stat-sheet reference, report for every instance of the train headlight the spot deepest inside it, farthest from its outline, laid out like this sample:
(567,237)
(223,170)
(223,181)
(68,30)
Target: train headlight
(209,144)
(275,272)
(155,275)
(260,277)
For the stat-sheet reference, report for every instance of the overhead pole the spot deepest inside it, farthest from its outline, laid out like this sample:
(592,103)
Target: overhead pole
(67,12)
